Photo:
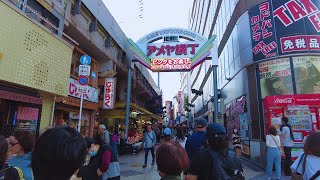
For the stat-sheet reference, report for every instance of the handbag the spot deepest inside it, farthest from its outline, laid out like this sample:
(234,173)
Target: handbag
(280,149)
(296,175)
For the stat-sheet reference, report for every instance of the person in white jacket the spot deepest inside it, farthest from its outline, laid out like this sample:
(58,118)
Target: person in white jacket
(308,163)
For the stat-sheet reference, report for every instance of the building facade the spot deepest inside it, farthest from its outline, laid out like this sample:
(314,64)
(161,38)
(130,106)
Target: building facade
(59,33)
(268,67)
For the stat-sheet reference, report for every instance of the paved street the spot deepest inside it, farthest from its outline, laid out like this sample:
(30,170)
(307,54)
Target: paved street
(131,169)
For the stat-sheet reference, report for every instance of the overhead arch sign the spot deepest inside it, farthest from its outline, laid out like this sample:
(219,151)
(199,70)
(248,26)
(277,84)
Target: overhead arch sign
(173,49)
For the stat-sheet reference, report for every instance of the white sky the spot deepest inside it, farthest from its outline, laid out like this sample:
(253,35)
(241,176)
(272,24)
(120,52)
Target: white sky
(157,14)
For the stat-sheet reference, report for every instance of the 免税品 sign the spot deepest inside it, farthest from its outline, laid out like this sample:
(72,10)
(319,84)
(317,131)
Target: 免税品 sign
(109,93)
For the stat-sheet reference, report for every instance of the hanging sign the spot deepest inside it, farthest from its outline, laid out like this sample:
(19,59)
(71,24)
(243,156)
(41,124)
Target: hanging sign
(180,50)
(109,93)
(84,70)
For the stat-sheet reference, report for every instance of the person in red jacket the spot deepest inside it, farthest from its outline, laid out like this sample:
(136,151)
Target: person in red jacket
(103,163)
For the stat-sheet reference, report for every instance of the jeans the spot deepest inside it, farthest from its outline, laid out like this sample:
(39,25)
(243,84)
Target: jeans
(147,153)
(115,148)
(273,156)
(288,160)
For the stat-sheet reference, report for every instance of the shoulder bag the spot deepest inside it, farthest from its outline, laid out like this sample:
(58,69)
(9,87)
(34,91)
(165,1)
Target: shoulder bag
(296,175)
(280,148)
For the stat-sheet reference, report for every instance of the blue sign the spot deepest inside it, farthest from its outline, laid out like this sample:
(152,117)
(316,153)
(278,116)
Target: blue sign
(93,75)
(85,60)
(83,80)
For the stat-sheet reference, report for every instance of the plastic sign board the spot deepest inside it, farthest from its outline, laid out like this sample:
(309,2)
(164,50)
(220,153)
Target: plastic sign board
(92,95)
(85,60)
(180,50)
(109,93)
(84,70)
(83,80)
(170,64)
(82,89)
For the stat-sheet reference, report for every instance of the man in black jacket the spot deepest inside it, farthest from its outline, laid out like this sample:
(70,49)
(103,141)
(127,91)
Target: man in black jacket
(216,162)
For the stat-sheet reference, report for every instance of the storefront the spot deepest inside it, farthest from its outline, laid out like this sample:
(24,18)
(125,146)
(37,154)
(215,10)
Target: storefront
(19,110)
(302,111)
(67,109)
(237,117)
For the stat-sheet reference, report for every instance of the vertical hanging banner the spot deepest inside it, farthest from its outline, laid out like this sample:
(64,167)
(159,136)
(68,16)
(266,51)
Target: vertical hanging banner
(263,32)
(281,27)
(109,93)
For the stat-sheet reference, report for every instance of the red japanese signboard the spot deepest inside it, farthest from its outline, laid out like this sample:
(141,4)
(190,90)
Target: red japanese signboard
(263,33)
(280,27)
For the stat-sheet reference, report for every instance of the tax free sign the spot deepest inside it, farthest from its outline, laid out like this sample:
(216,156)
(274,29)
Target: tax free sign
(173,49)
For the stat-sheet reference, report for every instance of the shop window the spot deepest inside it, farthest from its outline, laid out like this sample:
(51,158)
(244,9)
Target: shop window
(108,41)
(275,77)
(86,14)
(307,74)
(42,15)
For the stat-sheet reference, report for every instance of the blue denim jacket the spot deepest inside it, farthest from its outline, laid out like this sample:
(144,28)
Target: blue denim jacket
(147,141)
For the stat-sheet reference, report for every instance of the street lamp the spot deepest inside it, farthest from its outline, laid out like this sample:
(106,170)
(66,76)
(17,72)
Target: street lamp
(199,93)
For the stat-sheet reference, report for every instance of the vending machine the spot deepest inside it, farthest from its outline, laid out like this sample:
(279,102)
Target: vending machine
(303,112)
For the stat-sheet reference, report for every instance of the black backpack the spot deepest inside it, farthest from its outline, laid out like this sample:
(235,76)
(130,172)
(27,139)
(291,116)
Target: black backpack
(225,166)
(11,173)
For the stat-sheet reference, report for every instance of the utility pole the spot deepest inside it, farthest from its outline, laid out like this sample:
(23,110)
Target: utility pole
(128,99)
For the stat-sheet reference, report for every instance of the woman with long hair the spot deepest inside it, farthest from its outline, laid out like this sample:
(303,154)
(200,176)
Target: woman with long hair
(273,152)
(308,163)
(180,137)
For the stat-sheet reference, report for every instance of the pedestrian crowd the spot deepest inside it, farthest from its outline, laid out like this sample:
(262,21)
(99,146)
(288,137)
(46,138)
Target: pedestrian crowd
(62,153)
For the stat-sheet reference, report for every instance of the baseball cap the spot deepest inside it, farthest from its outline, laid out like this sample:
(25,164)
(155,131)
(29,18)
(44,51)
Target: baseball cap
(217,129)
(201,123)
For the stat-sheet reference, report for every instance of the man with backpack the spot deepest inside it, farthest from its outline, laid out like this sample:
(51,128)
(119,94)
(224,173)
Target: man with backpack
(287,143)
(216,162)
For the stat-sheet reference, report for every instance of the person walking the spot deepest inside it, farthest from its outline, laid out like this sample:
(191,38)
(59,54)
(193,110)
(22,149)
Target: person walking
(7,172)
(198,139)
(308,163)
(104,134)
(273,152)
(216,162)
(21,144)
(115,140)
(180,137)
(171,160)
(58,154)
(287,143)
(103,163)
(149,142)
(167,134)
(236,141)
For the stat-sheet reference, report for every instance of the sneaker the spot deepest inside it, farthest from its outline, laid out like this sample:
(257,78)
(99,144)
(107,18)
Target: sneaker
(144,166)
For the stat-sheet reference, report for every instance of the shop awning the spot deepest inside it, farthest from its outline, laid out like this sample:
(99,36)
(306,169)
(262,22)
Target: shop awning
(119,111)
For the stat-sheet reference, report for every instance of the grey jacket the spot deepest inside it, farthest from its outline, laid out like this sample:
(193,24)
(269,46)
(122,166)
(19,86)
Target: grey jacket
(105,137)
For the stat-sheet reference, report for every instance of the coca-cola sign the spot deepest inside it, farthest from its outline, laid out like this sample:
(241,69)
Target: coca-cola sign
(284,100)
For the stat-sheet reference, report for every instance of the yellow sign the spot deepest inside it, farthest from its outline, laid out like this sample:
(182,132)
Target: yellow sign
(246,150)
